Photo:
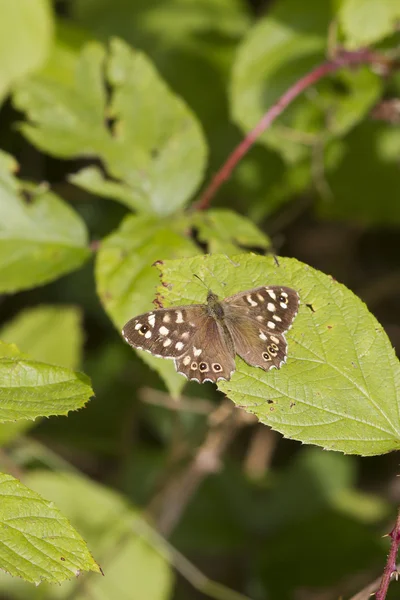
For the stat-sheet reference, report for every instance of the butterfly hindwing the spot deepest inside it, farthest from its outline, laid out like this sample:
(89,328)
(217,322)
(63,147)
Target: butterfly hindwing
(257,345)
(165,332)
(209,356)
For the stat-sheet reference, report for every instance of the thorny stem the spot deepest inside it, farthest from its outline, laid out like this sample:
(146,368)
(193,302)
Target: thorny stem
(390,568)
(342,59)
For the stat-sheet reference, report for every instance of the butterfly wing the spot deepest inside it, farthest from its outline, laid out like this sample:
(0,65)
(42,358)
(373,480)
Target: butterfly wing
(274,306)
(257,320)
(166,332)
(210,355)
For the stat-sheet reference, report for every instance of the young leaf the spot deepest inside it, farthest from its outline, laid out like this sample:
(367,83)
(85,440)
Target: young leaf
(37,542)
(41,237)
(365,22)
(126,280)
(25,36)
(152,135)
(31,389)
(339,388)
(133,568)
(226,231)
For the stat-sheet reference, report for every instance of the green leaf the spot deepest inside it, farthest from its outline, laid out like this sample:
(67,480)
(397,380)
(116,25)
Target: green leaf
(41,237)
(126,280)
(283,47)
(339,386)
(51,334)
(226,231)
(152,135)
(183,38)
(31,389)
(37,542)
(26,28)
(93,180)
(365,22)
(133,568)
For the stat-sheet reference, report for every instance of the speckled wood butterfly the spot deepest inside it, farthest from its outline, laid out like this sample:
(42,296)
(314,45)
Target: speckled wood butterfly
(203,339)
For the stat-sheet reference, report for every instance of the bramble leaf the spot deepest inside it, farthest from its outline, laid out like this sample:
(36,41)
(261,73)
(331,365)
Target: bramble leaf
(133,568)
(153,133)
(37,542)
(41,237)
(339,388)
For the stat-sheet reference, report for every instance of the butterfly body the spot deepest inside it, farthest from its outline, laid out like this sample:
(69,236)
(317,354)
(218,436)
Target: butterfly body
(203,339)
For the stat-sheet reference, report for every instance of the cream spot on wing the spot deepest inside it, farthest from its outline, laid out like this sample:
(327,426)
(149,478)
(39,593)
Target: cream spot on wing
(260,318)
(138,326)
(263,336)
(284,294)
(151,319)
(271,325)
(283,305)
(251,301)
(185,335)
(276,318)
(179,345)
(271,294)
(186,360)
(166,318)
(163,330)
(261,298)
(179,317)
(167,343)
(197,351)
(275,339)
(271,307)
(147,335)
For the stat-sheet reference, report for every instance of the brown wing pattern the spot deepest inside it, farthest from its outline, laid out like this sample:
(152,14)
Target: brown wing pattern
(211,355)
(272,306)
(166,332)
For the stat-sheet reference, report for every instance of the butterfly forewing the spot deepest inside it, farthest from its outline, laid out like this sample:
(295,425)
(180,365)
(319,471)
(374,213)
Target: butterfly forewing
(165,332)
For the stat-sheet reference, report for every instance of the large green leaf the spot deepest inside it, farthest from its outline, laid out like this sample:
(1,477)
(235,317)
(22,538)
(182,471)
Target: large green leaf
(133,569)
(126,280)
(365,22)
(152,136)
(339,388)
(37,543)
(283,47)
(192,44)
(31,389)
(25,35)
(41,237)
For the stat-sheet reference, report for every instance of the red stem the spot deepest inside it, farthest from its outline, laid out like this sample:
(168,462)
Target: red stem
(342,59)
(390,568)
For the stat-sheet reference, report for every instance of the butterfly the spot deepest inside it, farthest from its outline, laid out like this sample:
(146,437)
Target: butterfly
(203,339)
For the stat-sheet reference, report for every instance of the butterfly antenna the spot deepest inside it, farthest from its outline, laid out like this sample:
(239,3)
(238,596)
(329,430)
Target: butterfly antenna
(199,278)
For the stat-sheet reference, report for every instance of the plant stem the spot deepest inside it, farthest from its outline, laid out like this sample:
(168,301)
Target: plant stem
(342,59)
(390,568)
